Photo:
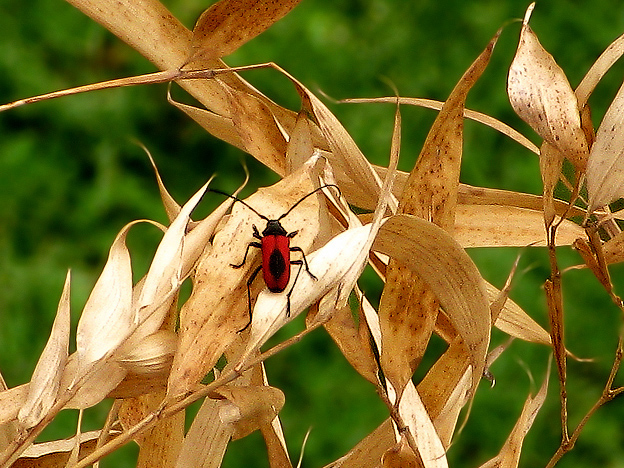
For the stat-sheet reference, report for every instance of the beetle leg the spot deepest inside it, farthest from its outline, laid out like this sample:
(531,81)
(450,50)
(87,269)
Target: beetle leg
(251,244)
(305,262)
(293,262)
(249,281)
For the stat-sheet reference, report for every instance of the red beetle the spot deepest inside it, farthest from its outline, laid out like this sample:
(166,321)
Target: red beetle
(275,246)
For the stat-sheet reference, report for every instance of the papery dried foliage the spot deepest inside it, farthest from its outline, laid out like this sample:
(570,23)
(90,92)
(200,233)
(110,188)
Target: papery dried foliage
(126,344)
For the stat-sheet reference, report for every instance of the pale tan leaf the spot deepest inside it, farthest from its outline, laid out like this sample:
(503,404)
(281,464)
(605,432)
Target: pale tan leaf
(605,171)
(507,226)
(599,68)
(161,444)
(450,273)
(165,274)
(468,114)
(107,318)
(228,24)
(541,95)
(300,145)
(218,306)
(401,456)
(408,308)
(56,453)
(247,408)
(95,382)
(509,455)
(152,354)
(46,378)
(11,400)
(206,440)
(415,415)
(171,206)
(514,321)
(257,128)
(368,452)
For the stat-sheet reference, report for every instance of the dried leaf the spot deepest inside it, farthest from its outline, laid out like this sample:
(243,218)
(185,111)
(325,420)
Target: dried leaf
(248,408)
(507,226)
(401,456)
(206,440)
(368,452)
(541,95)
(107,318)
(605,171)
(218,306)
(408,308)
(228,24)
(509,455)
(46,378)
(449,272)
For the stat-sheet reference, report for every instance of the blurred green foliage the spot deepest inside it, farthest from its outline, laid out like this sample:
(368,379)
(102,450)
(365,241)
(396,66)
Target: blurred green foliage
(71,177)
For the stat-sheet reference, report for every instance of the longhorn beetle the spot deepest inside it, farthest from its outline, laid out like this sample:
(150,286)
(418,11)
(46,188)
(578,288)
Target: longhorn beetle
(275,247)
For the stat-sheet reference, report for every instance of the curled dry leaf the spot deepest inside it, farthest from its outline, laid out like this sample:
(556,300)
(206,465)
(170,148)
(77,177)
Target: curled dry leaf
(107,318)
(408,308)
(46,378)
(449,272)
(605,169)
(248,408)
(152,354)
(218,305)
(228,24)
(507,226)
(509,455)
(541,95)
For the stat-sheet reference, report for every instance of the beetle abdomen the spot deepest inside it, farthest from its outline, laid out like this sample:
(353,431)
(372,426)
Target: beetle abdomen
(276,262)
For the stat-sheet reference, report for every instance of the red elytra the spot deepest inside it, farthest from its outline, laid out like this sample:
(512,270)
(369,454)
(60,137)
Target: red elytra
(275,247)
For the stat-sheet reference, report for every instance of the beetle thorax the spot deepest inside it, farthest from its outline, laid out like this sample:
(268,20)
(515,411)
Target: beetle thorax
(274,228)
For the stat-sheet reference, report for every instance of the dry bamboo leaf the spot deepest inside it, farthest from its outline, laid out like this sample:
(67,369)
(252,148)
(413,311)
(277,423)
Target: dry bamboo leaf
(614,249)
(509,455)
(600,67)
(107,318)
(228,24)
(507,226)
(450,273)
(605,174)
(56,453)
(46,378)
(368,452)
(300,145)
(152,354)
(408,308)
(401,456)
(446,388)
(218,306)
(161,444)
(468,114)
(514,321)
(171,206)
(248,408)
(218,125)
(206,440)
(414,414)
(11,400)
(541,95)
(551,162)
(257,128)
(353,343)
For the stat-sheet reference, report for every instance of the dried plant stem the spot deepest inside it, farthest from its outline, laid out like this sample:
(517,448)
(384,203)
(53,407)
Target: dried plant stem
(608,394)
(169,408)
(555,315)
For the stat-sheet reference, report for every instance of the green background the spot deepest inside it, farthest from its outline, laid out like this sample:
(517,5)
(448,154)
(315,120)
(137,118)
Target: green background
(71,177)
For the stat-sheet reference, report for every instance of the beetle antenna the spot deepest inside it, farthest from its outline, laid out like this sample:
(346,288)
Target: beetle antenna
(308,195)
(239,200)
